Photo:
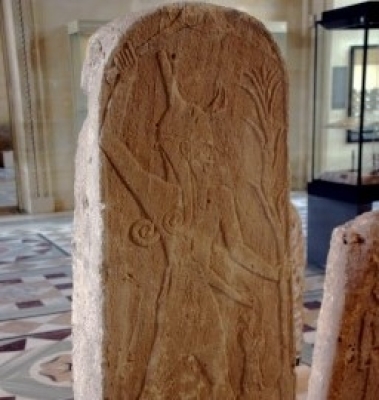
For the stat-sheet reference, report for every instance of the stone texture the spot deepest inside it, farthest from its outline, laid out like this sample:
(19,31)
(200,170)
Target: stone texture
(181,266)
(298,262)
(346,357)
(302,377)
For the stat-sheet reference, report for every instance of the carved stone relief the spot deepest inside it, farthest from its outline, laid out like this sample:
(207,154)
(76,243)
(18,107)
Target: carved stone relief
(194,185)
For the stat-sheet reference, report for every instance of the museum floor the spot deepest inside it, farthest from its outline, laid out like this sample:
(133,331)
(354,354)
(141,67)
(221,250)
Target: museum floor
(35,304)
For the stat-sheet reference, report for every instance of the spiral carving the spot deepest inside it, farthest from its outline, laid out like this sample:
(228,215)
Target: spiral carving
(144,233)
(173,221)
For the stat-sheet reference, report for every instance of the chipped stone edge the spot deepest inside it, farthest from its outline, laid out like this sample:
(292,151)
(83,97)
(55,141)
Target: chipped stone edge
(343,277)
(88,293)
(330,318)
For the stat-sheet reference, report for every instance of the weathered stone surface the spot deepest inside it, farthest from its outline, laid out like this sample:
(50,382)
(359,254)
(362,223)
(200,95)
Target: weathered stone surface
(346,358)
(298,262)
(182,272)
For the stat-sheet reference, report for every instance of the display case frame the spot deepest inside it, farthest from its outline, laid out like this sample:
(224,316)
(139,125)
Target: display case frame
(371,132)
(335,197)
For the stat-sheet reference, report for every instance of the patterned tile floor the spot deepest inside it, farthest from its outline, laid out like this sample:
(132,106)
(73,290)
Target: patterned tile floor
(35,299)
(35,307)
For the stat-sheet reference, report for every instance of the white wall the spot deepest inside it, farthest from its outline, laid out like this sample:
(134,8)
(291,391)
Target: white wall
(51,18)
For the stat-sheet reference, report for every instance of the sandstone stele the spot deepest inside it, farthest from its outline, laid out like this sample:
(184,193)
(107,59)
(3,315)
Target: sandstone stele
(182,277)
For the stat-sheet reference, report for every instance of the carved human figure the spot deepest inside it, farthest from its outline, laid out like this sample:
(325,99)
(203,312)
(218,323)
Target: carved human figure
(182,263)
(198,264)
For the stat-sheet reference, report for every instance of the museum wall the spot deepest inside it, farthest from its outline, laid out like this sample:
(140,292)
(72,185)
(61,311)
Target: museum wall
(51,19)
(5,131)
(4,112)
(51,65)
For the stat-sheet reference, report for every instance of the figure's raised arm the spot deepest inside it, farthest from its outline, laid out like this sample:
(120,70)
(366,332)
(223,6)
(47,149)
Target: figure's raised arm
(142,184)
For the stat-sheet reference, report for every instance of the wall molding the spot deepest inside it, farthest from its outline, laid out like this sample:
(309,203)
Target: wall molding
(28,120)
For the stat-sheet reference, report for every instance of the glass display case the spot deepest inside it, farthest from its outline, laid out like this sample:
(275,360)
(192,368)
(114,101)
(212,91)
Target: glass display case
(344,178)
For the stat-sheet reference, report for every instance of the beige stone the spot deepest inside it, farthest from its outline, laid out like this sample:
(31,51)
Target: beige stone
(346,358)
(181,266)
(298,263)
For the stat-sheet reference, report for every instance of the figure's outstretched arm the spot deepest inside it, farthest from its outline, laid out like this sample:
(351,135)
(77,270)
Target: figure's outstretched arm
(217,283)
(245,256)
(238,250)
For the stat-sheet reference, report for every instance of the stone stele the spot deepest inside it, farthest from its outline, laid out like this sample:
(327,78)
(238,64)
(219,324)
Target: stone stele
(181,266)
(346,358)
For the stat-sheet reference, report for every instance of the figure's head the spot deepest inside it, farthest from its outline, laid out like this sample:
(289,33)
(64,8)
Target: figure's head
(186,132)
